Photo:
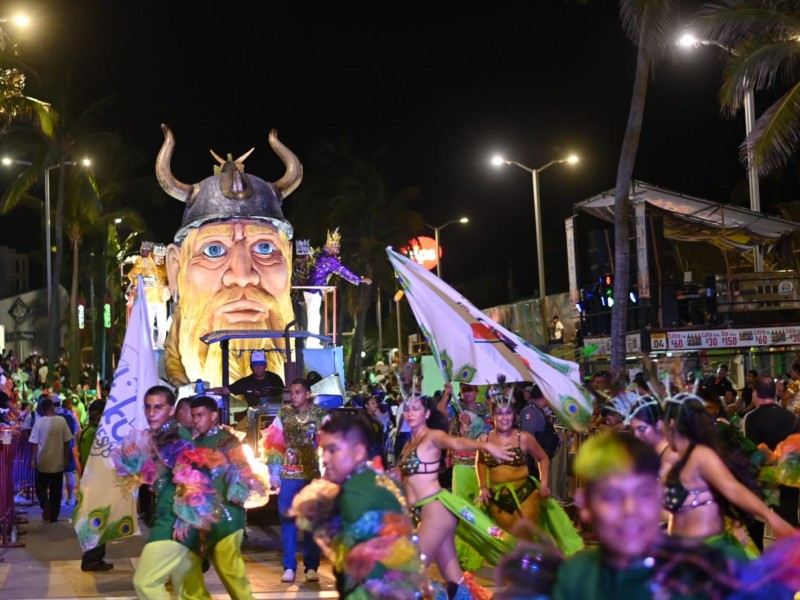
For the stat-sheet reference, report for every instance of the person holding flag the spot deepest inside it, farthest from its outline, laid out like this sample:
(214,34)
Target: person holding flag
(93,559)
(104,510)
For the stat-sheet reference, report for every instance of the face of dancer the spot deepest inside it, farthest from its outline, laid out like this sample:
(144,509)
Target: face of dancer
(372,406)
(503,419)
(230,275)
(649,434)
(184,414)
(625,510)
(203,419)
(299,397)
(157,410)
(340,456)
(415,413)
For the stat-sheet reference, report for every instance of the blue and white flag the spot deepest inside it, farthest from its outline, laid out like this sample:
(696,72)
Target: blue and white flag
(104,512)
(471,348)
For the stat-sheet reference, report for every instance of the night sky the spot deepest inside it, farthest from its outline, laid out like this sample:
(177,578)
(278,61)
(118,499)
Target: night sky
(439,89)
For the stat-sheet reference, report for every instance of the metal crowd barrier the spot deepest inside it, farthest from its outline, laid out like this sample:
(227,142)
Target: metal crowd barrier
(16,476)
(561,465)
(24,473)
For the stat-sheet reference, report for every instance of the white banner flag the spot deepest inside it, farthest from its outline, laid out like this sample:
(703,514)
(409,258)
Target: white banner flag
(104,511)
(471,348)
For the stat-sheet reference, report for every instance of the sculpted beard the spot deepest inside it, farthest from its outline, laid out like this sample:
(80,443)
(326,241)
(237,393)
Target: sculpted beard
(200,314)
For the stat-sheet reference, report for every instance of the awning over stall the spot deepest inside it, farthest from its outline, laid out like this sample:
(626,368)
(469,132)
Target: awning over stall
(693,219)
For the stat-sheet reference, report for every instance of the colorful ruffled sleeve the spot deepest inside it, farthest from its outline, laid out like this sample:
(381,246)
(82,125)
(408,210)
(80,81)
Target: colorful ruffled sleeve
(134,461)
(273,446)
(376,550)
(783,465)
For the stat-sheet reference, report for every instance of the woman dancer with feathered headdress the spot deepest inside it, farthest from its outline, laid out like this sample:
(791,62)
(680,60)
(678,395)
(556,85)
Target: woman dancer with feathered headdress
(509,490)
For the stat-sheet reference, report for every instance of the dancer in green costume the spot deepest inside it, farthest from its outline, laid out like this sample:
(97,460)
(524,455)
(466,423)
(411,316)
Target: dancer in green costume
(165,557)
(510,491)
(359,516)
(235,482)
(440,513)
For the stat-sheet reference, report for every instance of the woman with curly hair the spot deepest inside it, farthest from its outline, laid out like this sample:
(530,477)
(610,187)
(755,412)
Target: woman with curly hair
(709,483)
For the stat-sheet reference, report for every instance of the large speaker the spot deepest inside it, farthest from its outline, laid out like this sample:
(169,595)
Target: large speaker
(599,262)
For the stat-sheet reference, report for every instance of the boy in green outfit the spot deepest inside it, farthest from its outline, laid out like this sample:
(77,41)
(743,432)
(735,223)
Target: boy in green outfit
(367,529)
(226,536)
(634,559)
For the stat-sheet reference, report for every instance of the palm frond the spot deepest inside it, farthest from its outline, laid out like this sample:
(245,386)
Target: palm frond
(757,65)
(18,190)
(647,22)
(775,138)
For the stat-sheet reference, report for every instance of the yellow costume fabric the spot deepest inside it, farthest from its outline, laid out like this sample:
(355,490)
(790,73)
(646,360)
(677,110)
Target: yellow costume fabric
(167,560)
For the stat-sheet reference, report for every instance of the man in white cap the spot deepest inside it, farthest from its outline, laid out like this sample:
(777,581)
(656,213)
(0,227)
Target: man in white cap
(259,384)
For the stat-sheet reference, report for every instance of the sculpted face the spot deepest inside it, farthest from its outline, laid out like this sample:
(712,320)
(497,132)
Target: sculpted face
(232,275)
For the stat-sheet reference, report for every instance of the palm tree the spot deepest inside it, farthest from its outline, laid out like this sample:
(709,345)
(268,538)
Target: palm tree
(346,191)
(764,53)
(91,213)
(73,137)
(645,22)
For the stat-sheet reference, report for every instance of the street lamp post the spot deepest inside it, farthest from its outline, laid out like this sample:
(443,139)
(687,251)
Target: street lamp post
(436,231)
(20,21)
(688,40)
(572,159)
(48,244)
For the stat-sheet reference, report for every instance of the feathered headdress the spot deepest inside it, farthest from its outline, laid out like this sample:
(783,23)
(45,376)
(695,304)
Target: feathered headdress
(497,396)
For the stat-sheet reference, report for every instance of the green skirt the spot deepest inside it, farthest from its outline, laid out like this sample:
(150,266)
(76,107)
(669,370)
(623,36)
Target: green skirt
(475,527)
(553,520)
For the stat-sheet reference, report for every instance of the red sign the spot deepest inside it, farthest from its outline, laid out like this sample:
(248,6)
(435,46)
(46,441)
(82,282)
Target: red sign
(422,250)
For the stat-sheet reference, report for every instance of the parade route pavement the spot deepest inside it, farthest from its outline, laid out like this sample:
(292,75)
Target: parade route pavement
(49,566)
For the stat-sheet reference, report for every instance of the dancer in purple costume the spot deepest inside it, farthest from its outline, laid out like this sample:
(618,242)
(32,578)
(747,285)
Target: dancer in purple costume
(326,263)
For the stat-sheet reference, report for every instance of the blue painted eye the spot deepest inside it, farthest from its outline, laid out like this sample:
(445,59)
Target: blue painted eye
(265,248)
(215,250)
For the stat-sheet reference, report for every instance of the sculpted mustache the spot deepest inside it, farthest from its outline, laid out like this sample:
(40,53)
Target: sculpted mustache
(254,294)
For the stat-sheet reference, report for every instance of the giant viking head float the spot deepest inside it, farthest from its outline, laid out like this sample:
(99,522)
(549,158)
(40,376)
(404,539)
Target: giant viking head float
(230,196)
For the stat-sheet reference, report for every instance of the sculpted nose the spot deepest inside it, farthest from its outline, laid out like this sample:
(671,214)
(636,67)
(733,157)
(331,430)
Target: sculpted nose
(240,271)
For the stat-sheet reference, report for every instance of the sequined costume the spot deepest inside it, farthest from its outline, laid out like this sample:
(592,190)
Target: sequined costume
(292,436)
(325,265)
(300,432)
(156,292)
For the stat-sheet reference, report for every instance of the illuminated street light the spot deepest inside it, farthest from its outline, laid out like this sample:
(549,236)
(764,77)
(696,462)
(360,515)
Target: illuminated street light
(572,159)
(21,21)
(689,41)
(436,231)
